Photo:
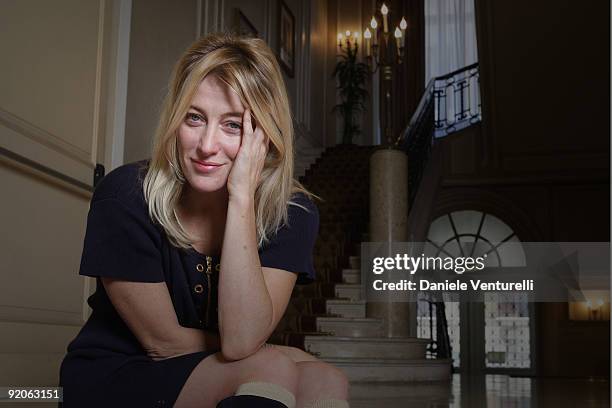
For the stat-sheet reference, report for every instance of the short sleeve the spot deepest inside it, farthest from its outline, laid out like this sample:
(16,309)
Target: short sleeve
(121,242)
(291,249)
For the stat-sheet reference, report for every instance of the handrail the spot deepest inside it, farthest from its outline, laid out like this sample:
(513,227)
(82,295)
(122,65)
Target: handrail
(448,118)
(418,113)
(457,71)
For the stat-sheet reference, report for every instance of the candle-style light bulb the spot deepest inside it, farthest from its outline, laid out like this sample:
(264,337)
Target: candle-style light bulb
(356,37)
(398,39)
(367,36)
(403,26)
(348,33)
(340,37)
(384,11)
(374,25)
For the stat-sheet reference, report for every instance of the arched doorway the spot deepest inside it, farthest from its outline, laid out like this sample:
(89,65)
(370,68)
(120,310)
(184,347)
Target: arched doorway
(498,335)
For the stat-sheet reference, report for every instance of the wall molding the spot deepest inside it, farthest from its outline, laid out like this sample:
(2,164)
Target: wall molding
(306,64)
(44,137)
(117,99)
(269,21)
(199,19)
(96,131)
(212,15)
(109,97)
(25,314)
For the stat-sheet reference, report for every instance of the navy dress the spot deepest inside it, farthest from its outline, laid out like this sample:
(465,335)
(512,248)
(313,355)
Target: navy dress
(105,365)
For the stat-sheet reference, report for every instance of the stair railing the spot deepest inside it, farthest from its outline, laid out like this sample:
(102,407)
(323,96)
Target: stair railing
(417,140)
(450,103)
(439,345)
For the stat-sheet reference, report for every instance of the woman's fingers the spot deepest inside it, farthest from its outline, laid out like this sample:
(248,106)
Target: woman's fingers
(251,137)
(254,142)
(247,123)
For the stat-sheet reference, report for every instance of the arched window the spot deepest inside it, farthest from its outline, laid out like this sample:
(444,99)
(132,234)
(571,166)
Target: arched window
(474,233)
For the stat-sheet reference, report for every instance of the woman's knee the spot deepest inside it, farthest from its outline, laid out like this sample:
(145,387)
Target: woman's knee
(296,354)
(271,365)
(327,380)
(334,377)
(215,378)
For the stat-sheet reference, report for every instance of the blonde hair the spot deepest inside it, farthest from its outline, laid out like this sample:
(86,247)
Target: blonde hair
(249,67)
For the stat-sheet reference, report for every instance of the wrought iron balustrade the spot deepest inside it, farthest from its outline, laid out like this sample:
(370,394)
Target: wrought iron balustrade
(457,100)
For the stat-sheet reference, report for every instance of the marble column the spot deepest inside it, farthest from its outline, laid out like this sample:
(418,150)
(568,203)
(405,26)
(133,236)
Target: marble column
(389,223)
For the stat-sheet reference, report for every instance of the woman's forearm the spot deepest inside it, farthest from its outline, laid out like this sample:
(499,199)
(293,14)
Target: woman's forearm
(184,340)
(245,307)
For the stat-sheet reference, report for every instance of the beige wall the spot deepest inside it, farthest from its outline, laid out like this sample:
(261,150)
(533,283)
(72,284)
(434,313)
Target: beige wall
(58,96)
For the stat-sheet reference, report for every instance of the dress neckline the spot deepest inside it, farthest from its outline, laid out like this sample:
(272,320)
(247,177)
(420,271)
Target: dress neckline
(201,255)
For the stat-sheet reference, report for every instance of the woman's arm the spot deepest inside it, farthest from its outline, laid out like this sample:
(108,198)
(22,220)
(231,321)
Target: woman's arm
(147,310)
(252,299)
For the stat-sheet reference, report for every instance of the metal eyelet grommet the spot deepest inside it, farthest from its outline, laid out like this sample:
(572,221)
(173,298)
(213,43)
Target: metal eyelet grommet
(200,268)
(217,267)
(198,288)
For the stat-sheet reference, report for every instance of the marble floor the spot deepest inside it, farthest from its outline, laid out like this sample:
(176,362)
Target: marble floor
(488,391)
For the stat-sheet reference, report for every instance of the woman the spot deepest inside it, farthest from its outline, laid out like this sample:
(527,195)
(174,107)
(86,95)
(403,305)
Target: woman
(196,253)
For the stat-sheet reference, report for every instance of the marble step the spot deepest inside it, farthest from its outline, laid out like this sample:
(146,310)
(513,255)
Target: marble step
(351,276)
(350,327)
(374,391)
(366,347)
(355,262)
(350,291)
(346,308)
(392,369)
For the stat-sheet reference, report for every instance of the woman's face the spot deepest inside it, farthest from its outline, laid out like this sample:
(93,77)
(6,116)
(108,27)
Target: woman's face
(209,137)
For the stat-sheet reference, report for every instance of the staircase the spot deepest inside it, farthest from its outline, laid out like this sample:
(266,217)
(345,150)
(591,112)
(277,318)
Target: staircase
(355,343)
(328,317)
(305,153)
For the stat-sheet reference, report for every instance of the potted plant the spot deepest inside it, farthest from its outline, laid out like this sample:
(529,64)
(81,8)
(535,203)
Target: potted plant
(351,76)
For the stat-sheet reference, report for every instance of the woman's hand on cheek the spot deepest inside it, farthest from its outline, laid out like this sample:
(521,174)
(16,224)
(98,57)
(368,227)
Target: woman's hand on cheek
(248,164)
